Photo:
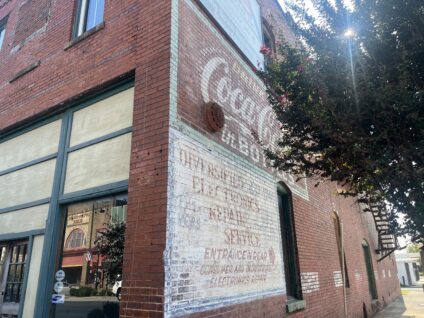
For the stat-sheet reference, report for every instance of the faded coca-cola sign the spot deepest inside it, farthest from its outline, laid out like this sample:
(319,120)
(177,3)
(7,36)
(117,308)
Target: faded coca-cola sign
(241,105)
(244,100)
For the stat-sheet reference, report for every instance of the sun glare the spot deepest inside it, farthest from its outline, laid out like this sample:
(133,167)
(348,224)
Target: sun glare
(349,33)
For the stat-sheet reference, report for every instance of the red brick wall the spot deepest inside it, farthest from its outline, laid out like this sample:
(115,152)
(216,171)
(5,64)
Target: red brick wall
(317,246)
(32,17)
(146,226)
(63,74)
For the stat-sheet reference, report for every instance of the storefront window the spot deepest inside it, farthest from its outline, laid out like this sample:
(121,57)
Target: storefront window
(89,276)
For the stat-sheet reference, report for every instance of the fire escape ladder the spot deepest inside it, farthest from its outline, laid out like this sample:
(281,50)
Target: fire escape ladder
(387,241)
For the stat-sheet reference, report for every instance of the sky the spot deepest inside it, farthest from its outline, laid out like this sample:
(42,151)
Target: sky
(308,3)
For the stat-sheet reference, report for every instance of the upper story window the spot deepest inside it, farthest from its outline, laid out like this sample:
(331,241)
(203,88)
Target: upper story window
(119,213)
(75,239)
(2,31)
(90,14)
(269,41)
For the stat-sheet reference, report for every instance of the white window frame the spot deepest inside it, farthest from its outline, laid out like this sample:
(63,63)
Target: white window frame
(3,23)
(82,16)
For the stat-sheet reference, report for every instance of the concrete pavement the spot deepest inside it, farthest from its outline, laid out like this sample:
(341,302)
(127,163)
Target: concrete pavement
(92,298)
(409,305)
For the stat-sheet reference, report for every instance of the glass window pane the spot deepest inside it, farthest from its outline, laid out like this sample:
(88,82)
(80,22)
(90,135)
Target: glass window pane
(25,253)
(21,253)
(87,167)
(23,149)
(19,291)
(2,33)
(8,294)
(18,273)
(12,271)
(2,254)
(26,185)
(14,254)
(15,291)
(102,118)
(75,239)
(94,13)
(29,219)
(91,278)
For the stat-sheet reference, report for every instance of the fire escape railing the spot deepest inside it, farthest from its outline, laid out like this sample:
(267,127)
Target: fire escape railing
(387,240)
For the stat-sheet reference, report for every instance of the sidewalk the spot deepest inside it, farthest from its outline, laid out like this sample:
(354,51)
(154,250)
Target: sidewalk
(409,305)
(92,298)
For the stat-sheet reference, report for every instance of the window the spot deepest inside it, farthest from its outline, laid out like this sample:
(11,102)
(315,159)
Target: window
(341,253)
(241,21)
(16,271)
(90,14)
(288,236)
(2,31)
(269,40)
(119,214)
(92,257)
(75,239)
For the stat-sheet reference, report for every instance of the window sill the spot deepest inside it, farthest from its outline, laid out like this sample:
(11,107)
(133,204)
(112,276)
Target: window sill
(25,71)
(294,305)
(84,36)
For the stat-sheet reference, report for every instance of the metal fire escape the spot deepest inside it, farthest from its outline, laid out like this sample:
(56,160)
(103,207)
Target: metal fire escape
(387,240)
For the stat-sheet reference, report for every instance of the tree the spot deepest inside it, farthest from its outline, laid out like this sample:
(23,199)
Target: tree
(413,248)
(110,245)
(350,99)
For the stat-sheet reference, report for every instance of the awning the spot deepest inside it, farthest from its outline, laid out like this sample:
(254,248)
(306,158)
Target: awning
(73,261)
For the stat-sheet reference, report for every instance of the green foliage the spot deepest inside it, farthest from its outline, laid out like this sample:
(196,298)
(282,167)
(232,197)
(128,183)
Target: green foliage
(104,292)
(351,107)
(93,292)
(83,291)
(110,245)
(73,291)
(413,248)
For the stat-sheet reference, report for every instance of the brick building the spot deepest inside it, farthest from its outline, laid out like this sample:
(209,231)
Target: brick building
(105,100)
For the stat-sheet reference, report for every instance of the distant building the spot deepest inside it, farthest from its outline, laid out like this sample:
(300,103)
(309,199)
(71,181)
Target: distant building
(153,107)
(409,265)
(86,221)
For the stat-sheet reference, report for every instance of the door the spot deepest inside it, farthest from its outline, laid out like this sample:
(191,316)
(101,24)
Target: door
(416,271)
(13,256)
(408,274)
(370,272)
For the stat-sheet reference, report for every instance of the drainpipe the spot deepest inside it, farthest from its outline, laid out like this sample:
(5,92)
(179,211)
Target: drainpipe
(343,270)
